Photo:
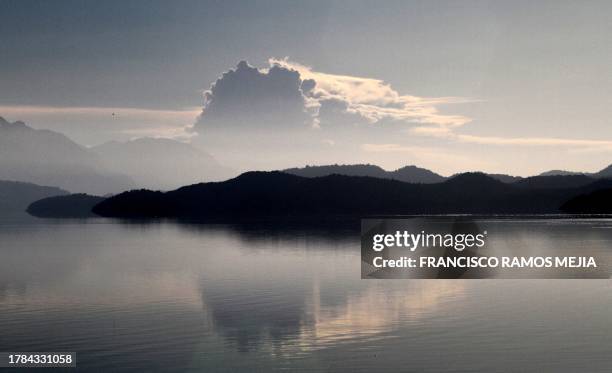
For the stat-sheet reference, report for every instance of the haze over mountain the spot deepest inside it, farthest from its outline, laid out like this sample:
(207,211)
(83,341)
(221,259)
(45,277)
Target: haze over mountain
(260,194)
(49,158)
(16,196)
(158,163)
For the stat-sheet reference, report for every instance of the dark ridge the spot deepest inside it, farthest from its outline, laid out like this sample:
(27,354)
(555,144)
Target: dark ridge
(506,178)
(602,174)
(70,206)
(408,174)
(556,182)
(134,204)
(475,179)
(597,202)
(605,173)
(264,194)
(560,173)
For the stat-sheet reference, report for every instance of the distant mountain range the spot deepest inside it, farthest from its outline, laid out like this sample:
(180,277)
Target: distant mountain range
(16,196)
(160,163)
(260,194)
(605,173)
(407,174)
(417,175)
(45,157)
(49,158)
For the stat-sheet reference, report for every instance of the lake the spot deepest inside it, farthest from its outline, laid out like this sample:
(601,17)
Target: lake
(186,297)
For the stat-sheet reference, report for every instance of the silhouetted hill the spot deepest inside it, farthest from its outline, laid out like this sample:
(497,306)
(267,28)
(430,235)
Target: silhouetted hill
(70,206)
(605,173)
(160,163)
(408,174)
(476,180)
(560,173)
(16,196)
(348,170)
(49,158)
(505,178)
(556,182)
(414,174)
(597,202)
(259,194)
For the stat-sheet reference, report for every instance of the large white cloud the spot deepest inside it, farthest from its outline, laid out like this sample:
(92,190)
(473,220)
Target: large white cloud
(288,95)
(247,97)
(288,113)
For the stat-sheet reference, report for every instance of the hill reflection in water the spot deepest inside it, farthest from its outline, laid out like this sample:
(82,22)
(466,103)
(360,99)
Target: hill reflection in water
(149,296)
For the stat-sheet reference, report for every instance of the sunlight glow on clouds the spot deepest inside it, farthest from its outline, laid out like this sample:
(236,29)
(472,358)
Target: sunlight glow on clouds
(373,99)
(289,108)
(579,144)
(537,141)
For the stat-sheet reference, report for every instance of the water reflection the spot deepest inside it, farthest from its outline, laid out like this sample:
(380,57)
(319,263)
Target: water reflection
(257,297)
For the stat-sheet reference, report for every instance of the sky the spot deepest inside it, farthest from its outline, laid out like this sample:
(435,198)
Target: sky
(515,87)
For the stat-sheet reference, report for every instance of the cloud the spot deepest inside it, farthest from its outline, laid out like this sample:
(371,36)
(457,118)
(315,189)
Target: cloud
(574,144)
(431,131)
(290,95)
(373,99)
(535,141)
(250,98)
(262,117)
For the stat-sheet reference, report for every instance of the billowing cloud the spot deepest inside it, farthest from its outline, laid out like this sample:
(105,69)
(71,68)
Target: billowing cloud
(289,95)
(247,97)
(289,108)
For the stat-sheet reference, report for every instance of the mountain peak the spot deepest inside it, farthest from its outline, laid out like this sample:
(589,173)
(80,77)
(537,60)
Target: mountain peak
(469,178)
(408,174)
(606,172)
(6,125)
(560,173)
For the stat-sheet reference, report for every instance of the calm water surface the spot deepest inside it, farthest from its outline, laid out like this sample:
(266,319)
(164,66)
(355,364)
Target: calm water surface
(194,297)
